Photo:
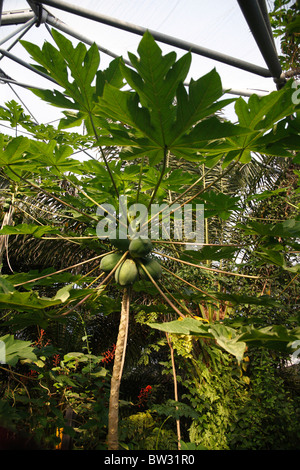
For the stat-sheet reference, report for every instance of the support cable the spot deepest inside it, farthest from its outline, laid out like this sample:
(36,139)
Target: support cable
(24,26)
(22,102)
(20,36)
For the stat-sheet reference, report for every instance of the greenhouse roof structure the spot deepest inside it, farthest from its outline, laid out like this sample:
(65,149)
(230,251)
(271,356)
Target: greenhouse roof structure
(241,26)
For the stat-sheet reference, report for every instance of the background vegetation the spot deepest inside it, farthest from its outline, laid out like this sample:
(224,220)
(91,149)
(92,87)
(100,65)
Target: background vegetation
(209,344)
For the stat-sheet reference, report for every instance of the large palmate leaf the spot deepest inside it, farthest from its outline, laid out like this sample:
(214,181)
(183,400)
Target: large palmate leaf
(265,116)
(24,301)
(156,80)
(208,137)
(234,340)
(82,64)
(197,102)
(275,240)
(164,114)
(51,154)
(32,308)
(277,258)
(219,204)
(15,349)
(214,253)
(31,301)
(287,229)
(74,69)
(225,336)
(13,152)
(124,106)
(261,113)
(28,229)
(160,113)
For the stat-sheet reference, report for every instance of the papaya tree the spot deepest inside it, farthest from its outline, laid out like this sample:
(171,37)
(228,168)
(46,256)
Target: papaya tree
(151,119)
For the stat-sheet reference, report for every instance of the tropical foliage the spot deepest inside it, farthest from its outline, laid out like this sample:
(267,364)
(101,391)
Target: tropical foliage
(286,25)
(86,356)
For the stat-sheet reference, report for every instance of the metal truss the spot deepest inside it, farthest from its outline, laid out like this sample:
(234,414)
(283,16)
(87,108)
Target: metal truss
(254,11)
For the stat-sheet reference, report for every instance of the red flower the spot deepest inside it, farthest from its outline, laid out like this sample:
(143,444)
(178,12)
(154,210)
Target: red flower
(56,360)
(39,342)
(109,355)
(144,395)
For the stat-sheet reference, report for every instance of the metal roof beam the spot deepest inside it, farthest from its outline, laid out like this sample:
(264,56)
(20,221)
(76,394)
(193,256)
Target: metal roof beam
(55,22)
(261,33)
(160,37)
(61,26)
(16,17)
(265,14)
(11,81)
(1,8)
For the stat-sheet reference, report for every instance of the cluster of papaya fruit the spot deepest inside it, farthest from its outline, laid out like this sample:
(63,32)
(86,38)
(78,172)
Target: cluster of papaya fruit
(137,265)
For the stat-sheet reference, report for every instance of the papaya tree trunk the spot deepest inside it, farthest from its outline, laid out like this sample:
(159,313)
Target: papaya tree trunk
(7,220)
(113,414)
(175,389)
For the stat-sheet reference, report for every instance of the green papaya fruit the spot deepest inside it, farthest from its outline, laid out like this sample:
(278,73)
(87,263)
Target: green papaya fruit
(152,266)
(126,273)
(140,247)
(109,261)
